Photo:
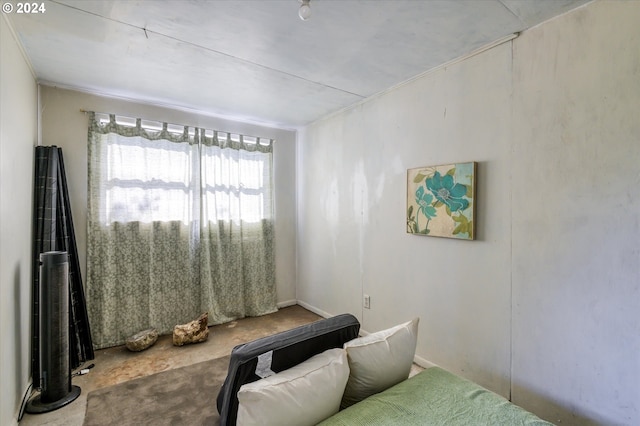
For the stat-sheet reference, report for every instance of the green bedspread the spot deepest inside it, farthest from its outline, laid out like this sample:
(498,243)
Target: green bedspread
(435,397)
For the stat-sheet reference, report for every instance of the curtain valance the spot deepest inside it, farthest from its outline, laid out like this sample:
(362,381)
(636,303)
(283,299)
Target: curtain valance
(151,130)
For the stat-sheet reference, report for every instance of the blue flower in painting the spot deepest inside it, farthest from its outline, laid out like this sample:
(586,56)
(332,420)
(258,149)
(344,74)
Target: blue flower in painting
(448,192)
(424,200)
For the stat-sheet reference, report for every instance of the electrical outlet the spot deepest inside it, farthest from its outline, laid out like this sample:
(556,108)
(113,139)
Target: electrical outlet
(366,301)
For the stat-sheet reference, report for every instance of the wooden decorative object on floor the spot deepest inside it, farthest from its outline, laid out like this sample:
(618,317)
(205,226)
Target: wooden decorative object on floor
(142,340)
(193,332)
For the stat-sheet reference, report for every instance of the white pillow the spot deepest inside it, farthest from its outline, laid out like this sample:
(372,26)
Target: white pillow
(379,360)
(302,395)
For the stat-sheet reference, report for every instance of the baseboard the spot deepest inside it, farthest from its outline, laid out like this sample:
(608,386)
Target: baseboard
(423,362)
(287,303)
(315,310)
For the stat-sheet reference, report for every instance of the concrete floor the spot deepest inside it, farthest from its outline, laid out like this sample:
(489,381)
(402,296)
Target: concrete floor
(116,365)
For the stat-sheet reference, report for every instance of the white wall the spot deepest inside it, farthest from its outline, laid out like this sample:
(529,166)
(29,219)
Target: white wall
(352,234)
(65,126)
(543,306)
(18,137)
(576,216)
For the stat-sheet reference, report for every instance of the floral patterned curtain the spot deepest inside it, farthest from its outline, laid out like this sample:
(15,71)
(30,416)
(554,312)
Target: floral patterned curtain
(179,223)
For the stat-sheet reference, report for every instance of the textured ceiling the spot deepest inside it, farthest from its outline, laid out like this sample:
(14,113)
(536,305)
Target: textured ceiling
(257,60)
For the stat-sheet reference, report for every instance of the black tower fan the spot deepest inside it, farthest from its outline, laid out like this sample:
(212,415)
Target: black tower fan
(55,368)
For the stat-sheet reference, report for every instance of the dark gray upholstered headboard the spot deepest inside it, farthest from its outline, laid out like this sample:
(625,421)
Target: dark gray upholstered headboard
(278,353)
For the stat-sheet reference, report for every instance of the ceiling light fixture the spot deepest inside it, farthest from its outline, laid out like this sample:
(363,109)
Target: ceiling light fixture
(305,10)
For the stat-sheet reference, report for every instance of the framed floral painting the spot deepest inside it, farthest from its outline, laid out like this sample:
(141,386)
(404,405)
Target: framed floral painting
(441,200)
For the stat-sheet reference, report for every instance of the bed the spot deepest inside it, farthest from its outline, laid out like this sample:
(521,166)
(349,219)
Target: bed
(323,373)
(434,397)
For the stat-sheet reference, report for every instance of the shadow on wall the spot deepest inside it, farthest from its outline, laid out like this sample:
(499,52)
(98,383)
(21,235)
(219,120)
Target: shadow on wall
(18,335)
(554,412)
(481,188)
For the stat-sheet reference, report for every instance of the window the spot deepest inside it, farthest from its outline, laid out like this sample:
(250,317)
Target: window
(159,179)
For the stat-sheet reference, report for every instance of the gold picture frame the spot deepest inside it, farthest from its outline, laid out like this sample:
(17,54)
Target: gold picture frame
(441,200)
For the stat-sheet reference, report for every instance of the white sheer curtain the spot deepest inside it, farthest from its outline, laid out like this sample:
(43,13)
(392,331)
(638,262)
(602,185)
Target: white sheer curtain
(180,222)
